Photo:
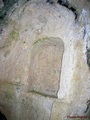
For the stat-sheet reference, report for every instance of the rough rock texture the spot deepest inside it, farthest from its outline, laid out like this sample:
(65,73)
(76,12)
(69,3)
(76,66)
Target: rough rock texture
(1,4)
(44,73)
(80,4)
(45,66)
(36,107)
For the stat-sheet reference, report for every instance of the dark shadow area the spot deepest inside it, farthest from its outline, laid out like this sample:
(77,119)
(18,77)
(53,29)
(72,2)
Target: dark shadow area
(2,116)
(9,2)
(5,10)
(50,1)
(66,4)
(7,5)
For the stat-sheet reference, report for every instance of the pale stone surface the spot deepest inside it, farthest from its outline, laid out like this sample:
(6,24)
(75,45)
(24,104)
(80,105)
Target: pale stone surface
(45,68)
(21,52)
(65,111)
(36,107)
(60,111)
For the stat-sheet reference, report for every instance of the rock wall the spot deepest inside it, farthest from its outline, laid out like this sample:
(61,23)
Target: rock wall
(44,73)
(1,4)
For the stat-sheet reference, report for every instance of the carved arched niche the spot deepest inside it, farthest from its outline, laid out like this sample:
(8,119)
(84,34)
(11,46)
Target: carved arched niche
(45,66)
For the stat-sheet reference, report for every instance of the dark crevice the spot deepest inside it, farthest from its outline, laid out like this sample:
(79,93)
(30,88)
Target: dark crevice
(88,106)
(66,4)
(2,116)
(88,58)
(75,12)
(7,6)
(9,2)
(63,2)
(50,1)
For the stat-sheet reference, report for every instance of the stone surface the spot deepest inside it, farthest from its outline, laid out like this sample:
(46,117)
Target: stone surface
(9,100)
(1,4)
(60,111)
(80,4)
(66,111)
(36,107)
(45,66)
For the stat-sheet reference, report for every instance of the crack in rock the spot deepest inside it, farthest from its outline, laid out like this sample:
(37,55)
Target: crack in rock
(42,94)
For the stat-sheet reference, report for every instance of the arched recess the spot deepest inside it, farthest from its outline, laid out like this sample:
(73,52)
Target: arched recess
(45,66)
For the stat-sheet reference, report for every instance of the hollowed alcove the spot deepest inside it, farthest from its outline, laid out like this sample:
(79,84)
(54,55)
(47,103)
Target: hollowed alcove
(45,66)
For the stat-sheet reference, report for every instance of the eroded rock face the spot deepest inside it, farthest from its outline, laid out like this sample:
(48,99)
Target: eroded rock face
(43,64)
(80,4)
(1,4)
(36,107)
(45,68)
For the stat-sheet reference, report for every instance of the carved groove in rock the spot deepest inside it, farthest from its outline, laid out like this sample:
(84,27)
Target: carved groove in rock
(46,61)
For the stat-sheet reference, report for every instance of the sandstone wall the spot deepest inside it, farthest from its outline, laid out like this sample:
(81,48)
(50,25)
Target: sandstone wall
(44,73)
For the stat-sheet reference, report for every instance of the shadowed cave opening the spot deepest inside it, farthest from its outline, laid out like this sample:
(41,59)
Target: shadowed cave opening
(2,116)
